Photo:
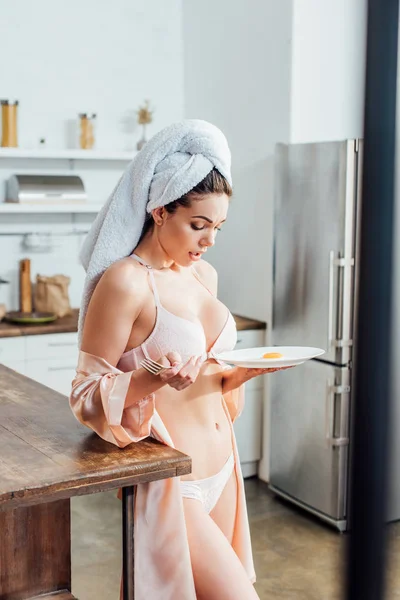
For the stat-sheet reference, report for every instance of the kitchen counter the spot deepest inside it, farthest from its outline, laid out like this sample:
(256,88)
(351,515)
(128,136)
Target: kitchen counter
(62,325)
(70,324)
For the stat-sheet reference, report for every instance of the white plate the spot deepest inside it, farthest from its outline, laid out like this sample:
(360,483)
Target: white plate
(252,357)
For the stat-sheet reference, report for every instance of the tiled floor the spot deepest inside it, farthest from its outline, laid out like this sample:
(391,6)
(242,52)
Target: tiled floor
(296,556)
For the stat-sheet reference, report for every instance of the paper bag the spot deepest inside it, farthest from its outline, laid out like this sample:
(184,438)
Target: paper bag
(51,295)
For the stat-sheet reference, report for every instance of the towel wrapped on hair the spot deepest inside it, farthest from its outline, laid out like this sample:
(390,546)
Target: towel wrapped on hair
(172,163)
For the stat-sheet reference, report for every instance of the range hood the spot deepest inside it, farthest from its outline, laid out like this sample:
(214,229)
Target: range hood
(45,189)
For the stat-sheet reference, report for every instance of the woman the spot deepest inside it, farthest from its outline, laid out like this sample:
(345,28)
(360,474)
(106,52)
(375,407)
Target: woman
(151,367)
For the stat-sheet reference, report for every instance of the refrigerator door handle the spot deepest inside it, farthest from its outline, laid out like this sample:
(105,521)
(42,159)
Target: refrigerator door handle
(331,391)
(335,263)
(331,298)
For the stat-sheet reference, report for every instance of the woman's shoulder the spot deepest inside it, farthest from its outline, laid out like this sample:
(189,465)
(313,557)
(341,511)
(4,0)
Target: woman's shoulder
(207,274)
(125,276)
(116,303)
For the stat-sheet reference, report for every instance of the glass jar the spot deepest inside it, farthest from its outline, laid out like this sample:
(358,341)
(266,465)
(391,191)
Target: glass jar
(87,130)
(9,137)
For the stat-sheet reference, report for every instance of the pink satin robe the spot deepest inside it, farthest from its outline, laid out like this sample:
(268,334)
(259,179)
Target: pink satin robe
(162,561)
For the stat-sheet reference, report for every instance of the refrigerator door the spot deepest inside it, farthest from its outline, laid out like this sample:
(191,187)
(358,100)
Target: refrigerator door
(309,438)
(315,202)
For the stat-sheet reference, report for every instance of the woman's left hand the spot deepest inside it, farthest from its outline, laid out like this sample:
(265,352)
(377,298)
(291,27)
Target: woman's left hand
(235,377)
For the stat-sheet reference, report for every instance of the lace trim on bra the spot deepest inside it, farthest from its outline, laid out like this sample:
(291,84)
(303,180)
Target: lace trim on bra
(193,323)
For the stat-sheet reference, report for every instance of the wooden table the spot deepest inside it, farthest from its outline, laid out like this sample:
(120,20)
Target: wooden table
(46,457)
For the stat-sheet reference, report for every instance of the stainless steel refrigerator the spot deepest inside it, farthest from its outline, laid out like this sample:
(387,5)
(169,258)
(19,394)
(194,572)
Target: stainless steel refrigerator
(317,211)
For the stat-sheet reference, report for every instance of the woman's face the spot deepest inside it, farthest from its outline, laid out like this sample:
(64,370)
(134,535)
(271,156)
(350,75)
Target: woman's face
(188,233)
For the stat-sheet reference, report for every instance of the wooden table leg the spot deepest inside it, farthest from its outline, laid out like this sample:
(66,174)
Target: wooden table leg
(35,550)
(128,503)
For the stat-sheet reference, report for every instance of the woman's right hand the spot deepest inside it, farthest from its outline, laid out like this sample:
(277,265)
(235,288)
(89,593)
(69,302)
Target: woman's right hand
(178,375)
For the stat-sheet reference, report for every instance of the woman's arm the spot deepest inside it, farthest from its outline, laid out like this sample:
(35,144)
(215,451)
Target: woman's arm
(114,307)
(118,406)
(237,376)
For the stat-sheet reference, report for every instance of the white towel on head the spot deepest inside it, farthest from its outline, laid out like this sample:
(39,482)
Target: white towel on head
(172,163)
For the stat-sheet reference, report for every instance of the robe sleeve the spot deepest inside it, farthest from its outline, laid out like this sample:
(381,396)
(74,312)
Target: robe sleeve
(107,415)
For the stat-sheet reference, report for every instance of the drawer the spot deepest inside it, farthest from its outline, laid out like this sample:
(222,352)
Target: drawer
(248,428)
(56,373)
(250,338)
(257,383)
(16,365)
(12,349)
(53,345)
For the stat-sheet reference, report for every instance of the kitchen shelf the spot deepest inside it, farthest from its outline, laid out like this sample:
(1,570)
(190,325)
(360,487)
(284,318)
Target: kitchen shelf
(15,208)
(49,154)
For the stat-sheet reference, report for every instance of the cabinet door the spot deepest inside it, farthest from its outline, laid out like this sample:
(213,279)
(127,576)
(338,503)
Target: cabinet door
(12,353)
(251,338)
(12,348)
(17,365)
(56,373)
(51,359)
(52,345)
(248,427)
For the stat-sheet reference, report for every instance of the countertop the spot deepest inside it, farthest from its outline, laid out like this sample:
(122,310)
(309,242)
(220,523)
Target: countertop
(70,324)
(47,455)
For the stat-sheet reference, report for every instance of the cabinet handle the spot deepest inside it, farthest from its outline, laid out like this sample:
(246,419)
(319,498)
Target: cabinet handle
(61,344)
(62,368)
(239,341)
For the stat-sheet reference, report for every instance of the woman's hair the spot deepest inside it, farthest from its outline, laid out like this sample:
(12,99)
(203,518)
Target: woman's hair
(213,183)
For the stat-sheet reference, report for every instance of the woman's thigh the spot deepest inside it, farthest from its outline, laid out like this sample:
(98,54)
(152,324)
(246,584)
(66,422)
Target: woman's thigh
(224,512)
(218,572)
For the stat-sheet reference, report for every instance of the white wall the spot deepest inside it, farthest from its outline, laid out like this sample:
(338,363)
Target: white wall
(66,57)
(62,58)
(237,75)
(328,64)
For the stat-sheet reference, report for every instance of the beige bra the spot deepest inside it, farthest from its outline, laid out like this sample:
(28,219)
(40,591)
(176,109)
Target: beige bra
(173,333)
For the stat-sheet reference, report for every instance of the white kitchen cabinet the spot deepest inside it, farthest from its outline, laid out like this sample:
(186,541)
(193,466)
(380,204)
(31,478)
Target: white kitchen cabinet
(56,373)
(12,348)
(51,359)
(52,345)
(248,432)
(16,365)
(12,353)
(248,427)
(250,338)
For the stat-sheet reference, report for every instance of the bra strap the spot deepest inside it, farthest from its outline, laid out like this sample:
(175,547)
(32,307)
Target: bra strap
(196,275)
(151,275)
